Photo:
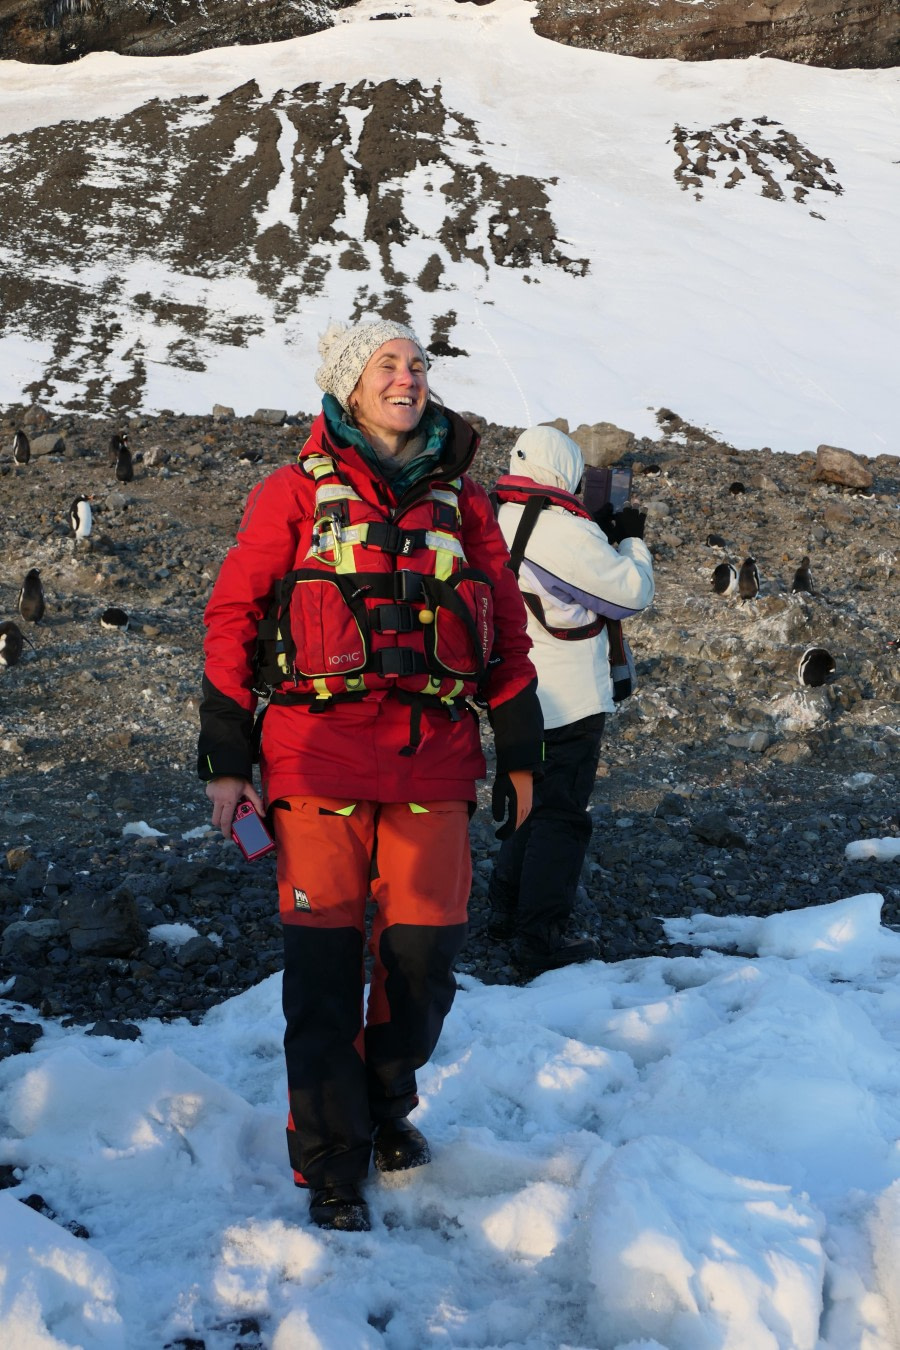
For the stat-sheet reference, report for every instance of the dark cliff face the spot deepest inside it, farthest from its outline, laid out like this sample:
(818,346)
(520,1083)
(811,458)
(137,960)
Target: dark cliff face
(856,33)
(55,31)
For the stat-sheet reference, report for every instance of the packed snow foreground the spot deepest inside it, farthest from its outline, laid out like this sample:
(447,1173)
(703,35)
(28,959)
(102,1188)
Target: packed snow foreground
(689,1152)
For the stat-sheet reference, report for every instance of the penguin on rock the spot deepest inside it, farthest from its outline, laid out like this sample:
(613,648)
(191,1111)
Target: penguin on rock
(31,604)
(12,643)
(81,519)
(816,667)
(21,447)
(724,578)
(118,441)
(748,580)
(802,579)
(124,466)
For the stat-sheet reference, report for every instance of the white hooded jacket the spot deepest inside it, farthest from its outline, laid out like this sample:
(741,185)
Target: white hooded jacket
(577,575)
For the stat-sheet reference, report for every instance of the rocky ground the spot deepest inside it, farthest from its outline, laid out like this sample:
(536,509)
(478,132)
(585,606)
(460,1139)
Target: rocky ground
(725,786)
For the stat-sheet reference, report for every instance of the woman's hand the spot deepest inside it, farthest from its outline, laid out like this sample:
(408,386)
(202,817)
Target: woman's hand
(523,783)
(225,793)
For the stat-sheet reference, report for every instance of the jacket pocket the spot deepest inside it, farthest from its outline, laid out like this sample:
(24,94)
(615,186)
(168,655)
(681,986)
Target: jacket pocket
(462,635)
(325,634)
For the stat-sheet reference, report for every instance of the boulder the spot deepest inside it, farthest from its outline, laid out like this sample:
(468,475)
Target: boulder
(603,443)
(50,443)
(270,417)
(28,940)
(834,465)
(102,925)
(17,1038)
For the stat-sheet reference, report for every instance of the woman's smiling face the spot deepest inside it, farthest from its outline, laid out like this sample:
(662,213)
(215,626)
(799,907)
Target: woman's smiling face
(391,393)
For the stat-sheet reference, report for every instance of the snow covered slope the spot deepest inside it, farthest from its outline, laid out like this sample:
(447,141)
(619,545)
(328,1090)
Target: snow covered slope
(575,234)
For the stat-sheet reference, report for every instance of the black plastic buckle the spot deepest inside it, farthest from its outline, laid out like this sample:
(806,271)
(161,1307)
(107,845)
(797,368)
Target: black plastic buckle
(408,586)
(399,661)
(393,619)
(381,534)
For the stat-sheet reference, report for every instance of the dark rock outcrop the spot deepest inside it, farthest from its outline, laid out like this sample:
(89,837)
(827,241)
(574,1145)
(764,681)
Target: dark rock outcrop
(859,33)
(55,31)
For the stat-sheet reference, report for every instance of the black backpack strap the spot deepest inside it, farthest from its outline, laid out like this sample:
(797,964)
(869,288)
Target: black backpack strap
(530,512)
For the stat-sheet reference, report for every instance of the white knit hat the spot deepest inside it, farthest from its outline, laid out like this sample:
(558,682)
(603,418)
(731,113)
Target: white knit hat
(345,352)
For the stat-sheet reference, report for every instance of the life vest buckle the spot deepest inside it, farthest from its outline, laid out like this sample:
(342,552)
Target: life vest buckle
(393,619)
(398,662)
(408,587)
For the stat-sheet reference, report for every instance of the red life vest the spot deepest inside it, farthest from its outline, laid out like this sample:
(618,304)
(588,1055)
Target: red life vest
(381,598)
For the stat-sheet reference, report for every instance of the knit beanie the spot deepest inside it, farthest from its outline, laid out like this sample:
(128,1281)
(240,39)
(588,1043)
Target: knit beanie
(345,353)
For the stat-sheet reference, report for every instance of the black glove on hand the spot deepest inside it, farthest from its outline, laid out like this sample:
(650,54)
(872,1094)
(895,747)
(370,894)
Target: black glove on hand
(627,524)
(504,805)
(604,518)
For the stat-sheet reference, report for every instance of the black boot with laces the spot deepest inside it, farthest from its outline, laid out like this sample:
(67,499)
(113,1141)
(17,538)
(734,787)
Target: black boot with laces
(532,956)
(397,1145)
(341,1207)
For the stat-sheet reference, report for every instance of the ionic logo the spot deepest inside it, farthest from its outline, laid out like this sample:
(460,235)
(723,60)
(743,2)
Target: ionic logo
(345,659)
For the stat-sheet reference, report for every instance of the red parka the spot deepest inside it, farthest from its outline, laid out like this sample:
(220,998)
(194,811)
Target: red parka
(376,744)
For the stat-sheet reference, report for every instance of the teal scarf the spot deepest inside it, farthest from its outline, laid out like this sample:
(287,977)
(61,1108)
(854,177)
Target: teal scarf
(433,426)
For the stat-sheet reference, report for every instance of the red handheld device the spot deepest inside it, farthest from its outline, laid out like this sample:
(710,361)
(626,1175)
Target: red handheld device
(249,832)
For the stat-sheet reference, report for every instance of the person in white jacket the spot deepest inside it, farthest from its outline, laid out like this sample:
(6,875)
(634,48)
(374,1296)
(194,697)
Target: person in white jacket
(574,575)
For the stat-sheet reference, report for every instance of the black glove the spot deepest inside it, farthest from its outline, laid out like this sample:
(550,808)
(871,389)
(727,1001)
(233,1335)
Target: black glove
(504,805)
(604,518)
(627,524)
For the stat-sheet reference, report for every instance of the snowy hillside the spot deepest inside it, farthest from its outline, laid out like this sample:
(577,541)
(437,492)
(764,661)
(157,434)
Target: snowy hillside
(575,234)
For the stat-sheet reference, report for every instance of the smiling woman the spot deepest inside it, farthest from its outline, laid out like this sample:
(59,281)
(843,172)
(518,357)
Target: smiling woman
(372,576)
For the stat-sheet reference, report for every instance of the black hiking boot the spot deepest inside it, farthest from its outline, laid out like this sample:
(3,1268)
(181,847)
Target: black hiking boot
(501,924)
(397,1145)
(532,956)
(340,1207)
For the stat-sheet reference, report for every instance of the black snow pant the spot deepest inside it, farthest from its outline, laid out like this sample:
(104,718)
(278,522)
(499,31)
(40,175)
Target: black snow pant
(536,872)
(349,1067)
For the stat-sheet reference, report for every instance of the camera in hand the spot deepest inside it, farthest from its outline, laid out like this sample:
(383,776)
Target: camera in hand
(249,832)
(602,486)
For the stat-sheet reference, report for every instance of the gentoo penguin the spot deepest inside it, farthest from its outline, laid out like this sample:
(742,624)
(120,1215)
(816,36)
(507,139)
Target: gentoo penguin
(748,580)
(724,578)
(802,579)
(124,467)
(81,518)
(12,643)
(117,442)
(114,618)
(736,487)
(816,667)
(715,541)
(31,597)
(21,448)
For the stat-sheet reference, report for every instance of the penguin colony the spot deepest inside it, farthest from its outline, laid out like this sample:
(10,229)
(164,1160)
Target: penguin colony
(31,603)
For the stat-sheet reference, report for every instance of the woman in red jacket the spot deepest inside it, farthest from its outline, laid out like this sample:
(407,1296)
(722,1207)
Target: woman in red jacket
(368,592)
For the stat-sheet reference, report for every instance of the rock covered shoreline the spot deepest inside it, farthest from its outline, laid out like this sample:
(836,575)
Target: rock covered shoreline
(725,786)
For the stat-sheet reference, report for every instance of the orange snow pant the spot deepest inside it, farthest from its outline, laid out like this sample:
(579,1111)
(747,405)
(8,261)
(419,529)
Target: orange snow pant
(346,1072)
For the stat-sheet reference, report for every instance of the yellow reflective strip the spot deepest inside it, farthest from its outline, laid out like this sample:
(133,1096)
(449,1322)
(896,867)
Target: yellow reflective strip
(458,687)
(450,498)
(335,492)
(317,466)
(346,561)
(345,810)
(321,688)
(418,810)
(443,564)
(449,543)
(433,686)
